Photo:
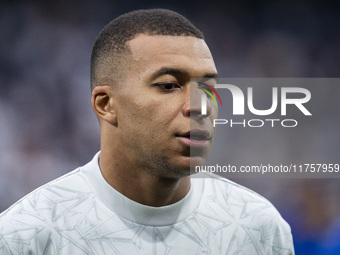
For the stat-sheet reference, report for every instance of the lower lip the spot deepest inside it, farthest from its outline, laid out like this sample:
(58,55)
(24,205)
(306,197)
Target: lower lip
(194,143)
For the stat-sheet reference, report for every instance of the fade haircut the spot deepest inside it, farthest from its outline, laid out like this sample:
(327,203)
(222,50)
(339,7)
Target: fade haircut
(110,52)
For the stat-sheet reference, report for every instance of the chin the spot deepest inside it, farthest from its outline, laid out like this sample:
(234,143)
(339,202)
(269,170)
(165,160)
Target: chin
(182,166)
(196,161)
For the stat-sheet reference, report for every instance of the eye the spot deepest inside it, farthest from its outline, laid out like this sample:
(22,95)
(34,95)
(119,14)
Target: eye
(168,87)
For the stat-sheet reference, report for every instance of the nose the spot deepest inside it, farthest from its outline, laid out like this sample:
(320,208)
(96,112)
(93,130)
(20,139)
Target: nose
(193,103)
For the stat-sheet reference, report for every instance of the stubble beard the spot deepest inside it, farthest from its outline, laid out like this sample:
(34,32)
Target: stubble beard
(162,167)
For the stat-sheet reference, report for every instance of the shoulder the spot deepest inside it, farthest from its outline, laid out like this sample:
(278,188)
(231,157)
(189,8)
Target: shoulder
(36,214)
(243,210)
(230,192)
(50,197)
(238,198)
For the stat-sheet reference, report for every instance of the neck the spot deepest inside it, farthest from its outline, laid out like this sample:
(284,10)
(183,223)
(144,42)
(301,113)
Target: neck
(141,185)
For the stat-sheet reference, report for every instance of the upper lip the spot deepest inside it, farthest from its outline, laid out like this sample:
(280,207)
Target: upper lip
(196,134)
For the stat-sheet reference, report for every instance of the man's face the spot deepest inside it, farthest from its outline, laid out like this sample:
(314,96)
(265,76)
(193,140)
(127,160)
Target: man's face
(154,113)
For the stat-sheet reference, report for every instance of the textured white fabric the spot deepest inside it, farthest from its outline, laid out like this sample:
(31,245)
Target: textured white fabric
(80,213)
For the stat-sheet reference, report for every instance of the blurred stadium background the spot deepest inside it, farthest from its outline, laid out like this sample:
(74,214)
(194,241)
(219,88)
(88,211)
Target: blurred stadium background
(47,127)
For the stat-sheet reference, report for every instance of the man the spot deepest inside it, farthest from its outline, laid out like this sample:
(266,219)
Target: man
(136,196)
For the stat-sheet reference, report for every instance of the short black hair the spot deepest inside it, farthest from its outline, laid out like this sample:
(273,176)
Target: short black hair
(110,46)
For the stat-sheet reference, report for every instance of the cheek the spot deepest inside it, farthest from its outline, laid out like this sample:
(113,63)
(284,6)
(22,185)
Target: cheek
(156,113)
(142,117)
(214,113)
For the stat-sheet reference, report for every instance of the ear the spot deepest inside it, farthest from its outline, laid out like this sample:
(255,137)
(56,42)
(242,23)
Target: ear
(103,104)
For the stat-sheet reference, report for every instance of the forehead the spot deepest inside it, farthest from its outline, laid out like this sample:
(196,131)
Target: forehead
(185,52)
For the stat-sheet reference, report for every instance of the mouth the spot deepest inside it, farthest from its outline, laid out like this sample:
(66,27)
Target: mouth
(195,138)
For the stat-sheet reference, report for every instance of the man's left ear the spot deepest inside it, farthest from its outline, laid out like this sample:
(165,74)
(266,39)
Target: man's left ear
(103,104)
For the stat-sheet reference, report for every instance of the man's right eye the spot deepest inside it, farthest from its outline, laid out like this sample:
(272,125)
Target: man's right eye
(167,87)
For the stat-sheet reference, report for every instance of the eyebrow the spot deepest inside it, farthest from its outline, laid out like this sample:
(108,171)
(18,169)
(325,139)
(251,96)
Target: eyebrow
(176,72)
